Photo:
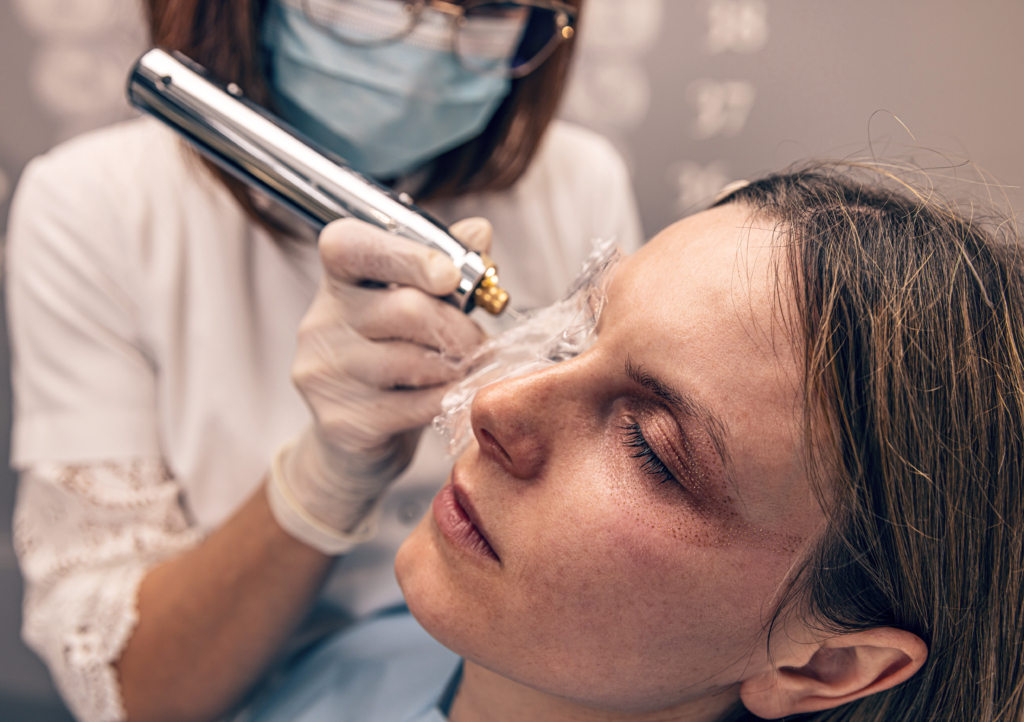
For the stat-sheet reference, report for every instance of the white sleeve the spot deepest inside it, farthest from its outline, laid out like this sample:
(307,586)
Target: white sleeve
(84,387)
(85,536)
(86,529)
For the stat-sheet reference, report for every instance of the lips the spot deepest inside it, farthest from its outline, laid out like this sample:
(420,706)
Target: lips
(454,515)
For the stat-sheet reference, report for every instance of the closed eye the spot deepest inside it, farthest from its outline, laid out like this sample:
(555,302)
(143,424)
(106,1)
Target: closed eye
(651,463)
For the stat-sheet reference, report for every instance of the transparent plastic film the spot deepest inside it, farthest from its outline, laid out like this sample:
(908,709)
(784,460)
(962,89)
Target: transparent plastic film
(540,339)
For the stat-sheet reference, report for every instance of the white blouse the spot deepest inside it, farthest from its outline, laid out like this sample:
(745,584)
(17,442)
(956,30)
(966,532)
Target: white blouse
(153,328)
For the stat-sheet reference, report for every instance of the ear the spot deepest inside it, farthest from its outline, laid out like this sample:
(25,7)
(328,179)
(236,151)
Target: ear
(840,669)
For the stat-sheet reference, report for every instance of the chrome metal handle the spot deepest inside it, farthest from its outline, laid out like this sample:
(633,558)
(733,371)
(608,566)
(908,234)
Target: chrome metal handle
(266,153)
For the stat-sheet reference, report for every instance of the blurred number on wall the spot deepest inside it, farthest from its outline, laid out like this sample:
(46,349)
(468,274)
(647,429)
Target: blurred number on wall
(737,25)
(721,107)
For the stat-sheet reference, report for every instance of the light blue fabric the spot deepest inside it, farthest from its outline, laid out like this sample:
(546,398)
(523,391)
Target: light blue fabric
(385,669)
(389,108)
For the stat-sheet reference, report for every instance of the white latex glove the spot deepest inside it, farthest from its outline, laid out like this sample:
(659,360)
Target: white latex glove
(371,366)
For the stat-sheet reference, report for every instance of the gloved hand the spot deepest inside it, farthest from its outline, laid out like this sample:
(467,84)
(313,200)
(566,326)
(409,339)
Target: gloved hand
(372,364)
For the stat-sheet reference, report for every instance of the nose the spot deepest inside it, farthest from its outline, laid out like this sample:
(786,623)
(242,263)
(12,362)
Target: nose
(519,422)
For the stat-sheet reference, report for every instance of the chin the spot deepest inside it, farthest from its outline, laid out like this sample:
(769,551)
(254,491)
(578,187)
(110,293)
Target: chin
(430,592)
(420,578)
(407,558)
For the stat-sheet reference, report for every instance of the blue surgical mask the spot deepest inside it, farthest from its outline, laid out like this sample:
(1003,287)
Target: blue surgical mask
(386,109)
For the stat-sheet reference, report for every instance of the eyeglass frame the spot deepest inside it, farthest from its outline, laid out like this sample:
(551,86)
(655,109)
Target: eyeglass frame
(457,17)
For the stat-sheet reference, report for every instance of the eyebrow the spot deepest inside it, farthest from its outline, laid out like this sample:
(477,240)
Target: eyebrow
(686,405)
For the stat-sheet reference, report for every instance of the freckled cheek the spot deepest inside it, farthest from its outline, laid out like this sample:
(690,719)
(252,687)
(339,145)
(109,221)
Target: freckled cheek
(648,588)
(616,592)
(661,515)
(601,518)
(697,510)
(696,539)
(600,561)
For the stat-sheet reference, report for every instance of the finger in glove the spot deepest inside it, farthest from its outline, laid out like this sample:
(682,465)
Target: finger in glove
(409,314)
(474,233)
(354,251)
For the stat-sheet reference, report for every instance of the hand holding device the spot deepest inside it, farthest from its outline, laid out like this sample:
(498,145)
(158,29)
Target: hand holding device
(373,364)
(371,360)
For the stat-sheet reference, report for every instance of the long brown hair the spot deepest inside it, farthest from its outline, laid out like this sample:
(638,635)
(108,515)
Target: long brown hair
(911,316)
(224,37)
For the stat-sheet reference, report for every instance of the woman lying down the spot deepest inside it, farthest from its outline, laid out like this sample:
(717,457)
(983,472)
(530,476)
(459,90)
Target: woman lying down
(783,482)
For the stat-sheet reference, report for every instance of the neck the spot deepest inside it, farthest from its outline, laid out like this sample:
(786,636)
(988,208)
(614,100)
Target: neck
(485,696)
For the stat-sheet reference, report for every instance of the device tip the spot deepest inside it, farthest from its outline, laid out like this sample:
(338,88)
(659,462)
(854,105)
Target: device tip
(489,295)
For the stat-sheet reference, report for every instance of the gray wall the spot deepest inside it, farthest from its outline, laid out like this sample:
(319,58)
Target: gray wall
(695,93)
(709,91)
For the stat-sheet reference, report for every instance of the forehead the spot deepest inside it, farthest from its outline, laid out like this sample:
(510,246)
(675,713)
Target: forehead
(711,281)
(701,307)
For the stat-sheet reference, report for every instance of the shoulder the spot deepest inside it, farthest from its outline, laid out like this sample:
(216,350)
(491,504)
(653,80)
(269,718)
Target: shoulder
(119,162)
(571,137)
(580,169)
(108,158)
(110,187)
(573,150)
(102,178)
(73,207)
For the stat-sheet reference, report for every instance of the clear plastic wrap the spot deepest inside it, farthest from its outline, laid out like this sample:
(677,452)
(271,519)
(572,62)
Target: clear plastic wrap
(540,339)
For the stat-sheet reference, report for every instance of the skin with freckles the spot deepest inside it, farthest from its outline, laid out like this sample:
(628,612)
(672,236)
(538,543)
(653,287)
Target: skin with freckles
(644,501)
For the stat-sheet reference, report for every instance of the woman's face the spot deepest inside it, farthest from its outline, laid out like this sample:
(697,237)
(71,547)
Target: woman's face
(618,531)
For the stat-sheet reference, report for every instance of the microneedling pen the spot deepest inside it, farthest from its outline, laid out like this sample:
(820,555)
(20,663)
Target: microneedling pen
(260,149)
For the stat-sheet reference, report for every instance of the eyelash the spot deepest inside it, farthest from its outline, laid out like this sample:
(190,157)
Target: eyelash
(651,465)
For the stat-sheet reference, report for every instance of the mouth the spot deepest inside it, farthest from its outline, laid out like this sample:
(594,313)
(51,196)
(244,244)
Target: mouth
(456,518)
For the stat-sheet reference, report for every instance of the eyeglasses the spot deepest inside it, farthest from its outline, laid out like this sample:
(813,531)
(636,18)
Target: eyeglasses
(481,33)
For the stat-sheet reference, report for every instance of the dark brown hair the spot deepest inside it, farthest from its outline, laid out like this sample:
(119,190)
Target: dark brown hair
(911,316)
(224,37)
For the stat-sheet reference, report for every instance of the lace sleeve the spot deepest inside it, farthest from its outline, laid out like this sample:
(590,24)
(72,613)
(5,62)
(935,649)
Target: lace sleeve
(85,536)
